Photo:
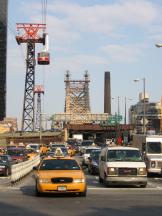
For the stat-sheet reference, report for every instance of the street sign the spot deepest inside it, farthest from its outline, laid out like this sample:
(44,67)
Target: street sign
(142,121)
(114,119)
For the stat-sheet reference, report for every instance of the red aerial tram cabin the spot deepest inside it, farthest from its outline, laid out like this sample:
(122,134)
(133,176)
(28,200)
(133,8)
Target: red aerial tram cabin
(43,58)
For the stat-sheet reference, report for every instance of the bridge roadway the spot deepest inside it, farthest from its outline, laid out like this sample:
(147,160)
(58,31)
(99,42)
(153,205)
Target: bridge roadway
(20,199)
(33,137)
(49,136)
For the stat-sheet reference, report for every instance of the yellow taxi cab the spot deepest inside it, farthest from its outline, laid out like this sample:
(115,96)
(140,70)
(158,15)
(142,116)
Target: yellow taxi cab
(71,151)
(2,151)
(31,153)
(60,174)
(43,149)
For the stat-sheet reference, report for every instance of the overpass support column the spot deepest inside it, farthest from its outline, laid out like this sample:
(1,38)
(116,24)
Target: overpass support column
(66,134)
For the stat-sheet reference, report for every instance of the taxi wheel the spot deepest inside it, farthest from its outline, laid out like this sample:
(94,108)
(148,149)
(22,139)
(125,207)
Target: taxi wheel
(83,194)
(37,193)
(105,182)
(100,179)
(7,172)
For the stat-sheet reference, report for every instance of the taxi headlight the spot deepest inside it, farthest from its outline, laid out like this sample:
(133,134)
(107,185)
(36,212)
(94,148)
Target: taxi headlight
(79,180)
(44,180)
(112,171)
(142,171)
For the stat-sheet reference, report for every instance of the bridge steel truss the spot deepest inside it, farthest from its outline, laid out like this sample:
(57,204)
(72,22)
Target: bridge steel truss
(77,100)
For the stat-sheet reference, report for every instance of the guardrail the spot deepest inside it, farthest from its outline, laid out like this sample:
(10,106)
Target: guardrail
(20,170)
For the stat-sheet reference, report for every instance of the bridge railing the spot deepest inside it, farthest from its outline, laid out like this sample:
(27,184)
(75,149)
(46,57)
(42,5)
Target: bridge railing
(20,170)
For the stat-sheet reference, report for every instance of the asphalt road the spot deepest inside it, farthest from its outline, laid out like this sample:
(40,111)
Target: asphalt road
(20,200)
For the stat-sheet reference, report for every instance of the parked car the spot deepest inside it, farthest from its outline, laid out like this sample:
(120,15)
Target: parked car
(5,165)
(93,164)
(17,154)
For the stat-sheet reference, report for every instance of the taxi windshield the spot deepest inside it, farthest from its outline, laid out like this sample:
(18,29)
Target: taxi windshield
(59,164)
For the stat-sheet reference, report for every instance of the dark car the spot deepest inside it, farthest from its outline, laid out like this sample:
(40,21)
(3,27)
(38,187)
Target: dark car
(5,165)
(93,162)
(17,154)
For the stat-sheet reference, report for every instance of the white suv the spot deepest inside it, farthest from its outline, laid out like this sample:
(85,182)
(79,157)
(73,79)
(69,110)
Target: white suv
(86,154)
(122,166)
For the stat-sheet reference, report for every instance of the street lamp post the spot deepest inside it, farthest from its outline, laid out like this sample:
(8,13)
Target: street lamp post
(118,101)
(125,114)
(144,104)
(117,115)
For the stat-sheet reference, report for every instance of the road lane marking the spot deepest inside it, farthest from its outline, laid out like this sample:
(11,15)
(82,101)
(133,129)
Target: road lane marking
(133,189)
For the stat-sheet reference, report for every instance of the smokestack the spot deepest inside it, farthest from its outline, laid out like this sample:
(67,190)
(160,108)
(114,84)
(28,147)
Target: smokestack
(107,94)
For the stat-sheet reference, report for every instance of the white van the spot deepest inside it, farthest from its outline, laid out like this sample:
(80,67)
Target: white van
(122,166)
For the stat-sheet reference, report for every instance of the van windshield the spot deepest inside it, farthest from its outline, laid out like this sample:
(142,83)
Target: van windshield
(154,147)
(124,155)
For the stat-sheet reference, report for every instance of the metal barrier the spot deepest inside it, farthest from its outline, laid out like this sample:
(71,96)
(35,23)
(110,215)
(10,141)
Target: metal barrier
(20,170)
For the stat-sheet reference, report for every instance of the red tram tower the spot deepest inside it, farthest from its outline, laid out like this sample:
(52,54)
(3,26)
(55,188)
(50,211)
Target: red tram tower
(38,89)
(29,33)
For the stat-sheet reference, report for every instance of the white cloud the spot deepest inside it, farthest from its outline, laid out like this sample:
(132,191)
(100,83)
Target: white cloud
(123,53)
(78,62)
(66,20)
(106,18)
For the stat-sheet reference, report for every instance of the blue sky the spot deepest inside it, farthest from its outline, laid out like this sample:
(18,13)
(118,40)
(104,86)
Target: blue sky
(95,35)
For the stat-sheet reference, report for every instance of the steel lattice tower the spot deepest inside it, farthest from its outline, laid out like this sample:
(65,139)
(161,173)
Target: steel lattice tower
(77,95)
(30,37)
(38,90)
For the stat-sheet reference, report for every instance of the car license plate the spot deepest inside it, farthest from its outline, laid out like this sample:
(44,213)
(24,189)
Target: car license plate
(61,188)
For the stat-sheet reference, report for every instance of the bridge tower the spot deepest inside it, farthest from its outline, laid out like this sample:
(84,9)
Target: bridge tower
(38,89)
(77,96)
(29,36)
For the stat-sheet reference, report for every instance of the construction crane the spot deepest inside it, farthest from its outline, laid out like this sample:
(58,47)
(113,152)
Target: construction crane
(30,34)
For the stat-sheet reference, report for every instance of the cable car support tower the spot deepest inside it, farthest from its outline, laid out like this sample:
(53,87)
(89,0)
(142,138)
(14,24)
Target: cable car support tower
(30,36)
(39,89)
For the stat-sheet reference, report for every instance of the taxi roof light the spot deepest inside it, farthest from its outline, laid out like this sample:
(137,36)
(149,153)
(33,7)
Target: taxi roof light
(58,153)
